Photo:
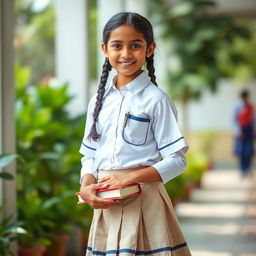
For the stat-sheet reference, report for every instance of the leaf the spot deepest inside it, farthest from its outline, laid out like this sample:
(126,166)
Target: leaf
(18,230)
(49,156)
(49,203)
(6,159)
(181,9)
(6,176)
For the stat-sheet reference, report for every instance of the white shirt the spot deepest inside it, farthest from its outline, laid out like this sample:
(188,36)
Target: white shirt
(138,126)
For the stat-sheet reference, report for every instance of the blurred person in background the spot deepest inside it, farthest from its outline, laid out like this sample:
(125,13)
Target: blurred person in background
(244,130)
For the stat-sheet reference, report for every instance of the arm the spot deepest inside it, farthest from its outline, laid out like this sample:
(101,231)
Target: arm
(234,123)
(163,171)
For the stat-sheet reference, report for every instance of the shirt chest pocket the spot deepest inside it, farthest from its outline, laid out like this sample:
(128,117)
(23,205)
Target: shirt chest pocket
(135,129)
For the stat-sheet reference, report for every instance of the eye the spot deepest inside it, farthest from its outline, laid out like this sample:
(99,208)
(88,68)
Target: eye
(116,46)
(136,46)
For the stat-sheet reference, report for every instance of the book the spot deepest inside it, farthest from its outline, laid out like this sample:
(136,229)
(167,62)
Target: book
(116,193)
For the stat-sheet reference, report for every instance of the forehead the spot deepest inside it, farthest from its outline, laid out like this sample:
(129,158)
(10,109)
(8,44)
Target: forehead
(125,33)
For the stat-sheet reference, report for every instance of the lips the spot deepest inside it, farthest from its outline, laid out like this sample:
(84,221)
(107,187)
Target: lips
(126,63)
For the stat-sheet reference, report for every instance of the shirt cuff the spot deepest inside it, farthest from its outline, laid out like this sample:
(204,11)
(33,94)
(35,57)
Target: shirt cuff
(172,166)
(88,168)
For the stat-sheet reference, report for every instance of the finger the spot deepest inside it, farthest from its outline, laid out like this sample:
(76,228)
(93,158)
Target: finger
(100,185)
(104,179)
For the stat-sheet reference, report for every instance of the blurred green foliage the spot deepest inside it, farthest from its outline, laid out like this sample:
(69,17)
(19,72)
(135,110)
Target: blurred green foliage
(197,163)
(35,38)
(48,139)
(10,229)
(195,38)
(237,60)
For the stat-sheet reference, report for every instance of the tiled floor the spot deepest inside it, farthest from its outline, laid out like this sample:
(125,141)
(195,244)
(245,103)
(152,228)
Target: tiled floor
(220,219)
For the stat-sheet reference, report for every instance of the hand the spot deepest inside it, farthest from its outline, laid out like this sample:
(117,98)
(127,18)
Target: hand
(117,180)
(88,194)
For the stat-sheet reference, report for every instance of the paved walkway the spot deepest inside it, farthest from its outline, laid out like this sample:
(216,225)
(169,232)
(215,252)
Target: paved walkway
(220,219)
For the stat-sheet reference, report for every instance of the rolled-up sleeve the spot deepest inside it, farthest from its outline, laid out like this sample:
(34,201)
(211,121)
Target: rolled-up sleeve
(170,141)
(88,146)
(171,166)
(167,133)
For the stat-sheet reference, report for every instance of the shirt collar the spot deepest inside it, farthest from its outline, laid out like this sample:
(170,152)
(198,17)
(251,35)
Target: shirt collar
(135,86)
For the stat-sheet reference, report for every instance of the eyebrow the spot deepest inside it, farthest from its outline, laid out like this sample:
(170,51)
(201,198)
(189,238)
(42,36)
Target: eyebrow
(132,41)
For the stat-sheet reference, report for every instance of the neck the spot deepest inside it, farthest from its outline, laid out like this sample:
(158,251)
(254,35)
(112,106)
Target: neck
(124,80)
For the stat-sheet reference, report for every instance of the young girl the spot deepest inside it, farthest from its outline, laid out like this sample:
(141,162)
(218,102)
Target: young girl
(130,125)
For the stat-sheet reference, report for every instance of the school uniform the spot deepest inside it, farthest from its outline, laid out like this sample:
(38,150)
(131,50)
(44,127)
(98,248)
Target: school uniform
(243,136)
(138,127)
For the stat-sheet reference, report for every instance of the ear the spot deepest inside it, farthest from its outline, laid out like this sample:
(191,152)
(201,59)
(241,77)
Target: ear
(150,49)
(104,49)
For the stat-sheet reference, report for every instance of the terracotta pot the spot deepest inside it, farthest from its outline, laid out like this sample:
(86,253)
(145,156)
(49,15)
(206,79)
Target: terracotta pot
(34,250)
(84,242)
(58,246)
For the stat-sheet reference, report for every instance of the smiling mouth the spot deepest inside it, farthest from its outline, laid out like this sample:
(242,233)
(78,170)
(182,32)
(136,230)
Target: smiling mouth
(126,63)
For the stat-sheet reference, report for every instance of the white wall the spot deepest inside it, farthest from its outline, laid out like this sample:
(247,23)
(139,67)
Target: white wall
(213,110)
(72,51)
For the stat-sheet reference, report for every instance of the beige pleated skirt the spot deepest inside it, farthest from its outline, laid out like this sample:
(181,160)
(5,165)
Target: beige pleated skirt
(145,224)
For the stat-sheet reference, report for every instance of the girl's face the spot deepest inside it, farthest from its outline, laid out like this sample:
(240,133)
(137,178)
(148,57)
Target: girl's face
(126,50)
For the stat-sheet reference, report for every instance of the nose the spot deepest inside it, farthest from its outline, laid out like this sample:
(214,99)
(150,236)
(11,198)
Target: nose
(126,52)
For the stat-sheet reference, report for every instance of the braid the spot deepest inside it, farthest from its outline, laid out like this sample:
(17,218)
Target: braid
(151,69)
(100,93)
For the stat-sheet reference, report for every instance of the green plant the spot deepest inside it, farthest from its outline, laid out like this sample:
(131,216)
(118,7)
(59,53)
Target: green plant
(49,140)
(10,229)
(5,160)
(176,188)
(194,38)
(197,163)
(35,214)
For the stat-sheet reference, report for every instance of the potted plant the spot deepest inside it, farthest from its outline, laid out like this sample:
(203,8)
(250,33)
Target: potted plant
(10,229)
(50,146)
(35,215)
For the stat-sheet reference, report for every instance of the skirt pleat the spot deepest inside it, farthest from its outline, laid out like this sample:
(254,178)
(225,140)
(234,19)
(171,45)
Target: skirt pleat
(145,224)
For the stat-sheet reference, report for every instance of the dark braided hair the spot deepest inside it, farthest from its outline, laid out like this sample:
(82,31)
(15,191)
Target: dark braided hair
(100,93)
(151,69)
(142,25)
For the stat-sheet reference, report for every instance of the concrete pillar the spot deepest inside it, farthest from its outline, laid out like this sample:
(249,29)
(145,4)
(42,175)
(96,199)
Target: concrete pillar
(7,98)
(137,6)
(72,51)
